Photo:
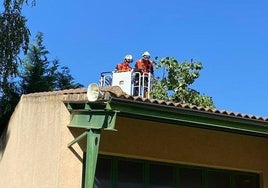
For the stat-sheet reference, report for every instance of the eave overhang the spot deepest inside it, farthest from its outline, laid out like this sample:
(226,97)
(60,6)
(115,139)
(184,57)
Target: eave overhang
(187,117)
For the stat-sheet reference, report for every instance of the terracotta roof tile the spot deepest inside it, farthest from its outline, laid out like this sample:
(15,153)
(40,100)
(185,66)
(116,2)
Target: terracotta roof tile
(79,95)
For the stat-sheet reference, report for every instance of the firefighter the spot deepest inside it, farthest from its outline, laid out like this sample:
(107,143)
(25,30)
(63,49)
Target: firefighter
(145,65)
(141,81)
(124,66)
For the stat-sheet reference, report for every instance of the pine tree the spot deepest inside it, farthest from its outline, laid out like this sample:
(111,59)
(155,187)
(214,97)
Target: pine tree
(39,74)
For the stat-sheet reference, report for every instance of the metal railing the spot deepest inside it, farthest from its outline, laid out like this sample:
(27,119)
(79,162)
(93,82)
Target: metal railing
(141,83)
(105,79)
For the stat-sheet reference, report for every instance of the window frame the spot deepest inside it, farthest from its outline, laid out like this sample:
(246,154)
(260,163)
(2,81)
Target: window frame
(176,171)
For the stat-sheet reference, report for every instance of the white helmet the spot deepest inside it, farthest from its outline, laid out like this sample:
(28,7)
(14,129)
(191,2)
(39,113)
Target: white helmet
(146,55)
(129,58)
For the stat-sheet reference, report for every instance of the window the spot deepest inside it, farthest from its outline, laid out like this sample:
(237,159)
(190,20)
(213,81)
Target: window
(161,176)
(219,179)
(190,177)
(130,174)
(117,172)
(103,173)
(246,181)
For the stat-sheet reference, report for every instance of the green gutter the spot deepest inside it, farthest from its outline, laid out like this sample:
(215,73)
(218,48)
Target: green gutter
(188,117)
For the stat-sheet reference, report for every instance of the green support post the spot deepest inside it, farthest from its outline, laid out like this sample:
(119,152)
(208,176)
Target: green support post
(92,117)
(93,140)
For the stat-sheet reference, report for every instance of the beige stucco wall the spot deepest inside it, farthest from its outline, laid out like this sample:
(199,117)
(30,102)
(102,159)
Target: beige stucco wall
(187,145)
(36,153)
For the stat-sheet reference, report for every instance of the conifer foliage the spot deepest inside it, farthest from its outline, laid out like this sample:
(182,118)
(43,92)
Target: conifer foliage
(25,68)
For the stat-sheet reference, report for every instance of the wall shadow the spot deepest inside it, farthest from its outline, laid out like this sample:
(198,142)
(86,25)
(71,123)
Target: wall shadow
(3,142)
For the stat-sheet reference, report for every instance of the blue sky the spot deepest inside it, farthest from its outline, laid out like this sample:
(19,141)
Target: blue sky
(229,37)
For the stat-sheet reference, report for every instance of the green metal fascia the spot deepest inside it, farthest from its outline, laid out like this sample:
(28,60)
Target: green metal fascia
(188,117)
(90,118)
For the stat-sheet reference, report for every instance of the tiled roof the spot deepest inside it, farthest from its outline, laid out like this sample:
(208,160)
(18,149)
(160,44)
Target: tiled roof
(79,95)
